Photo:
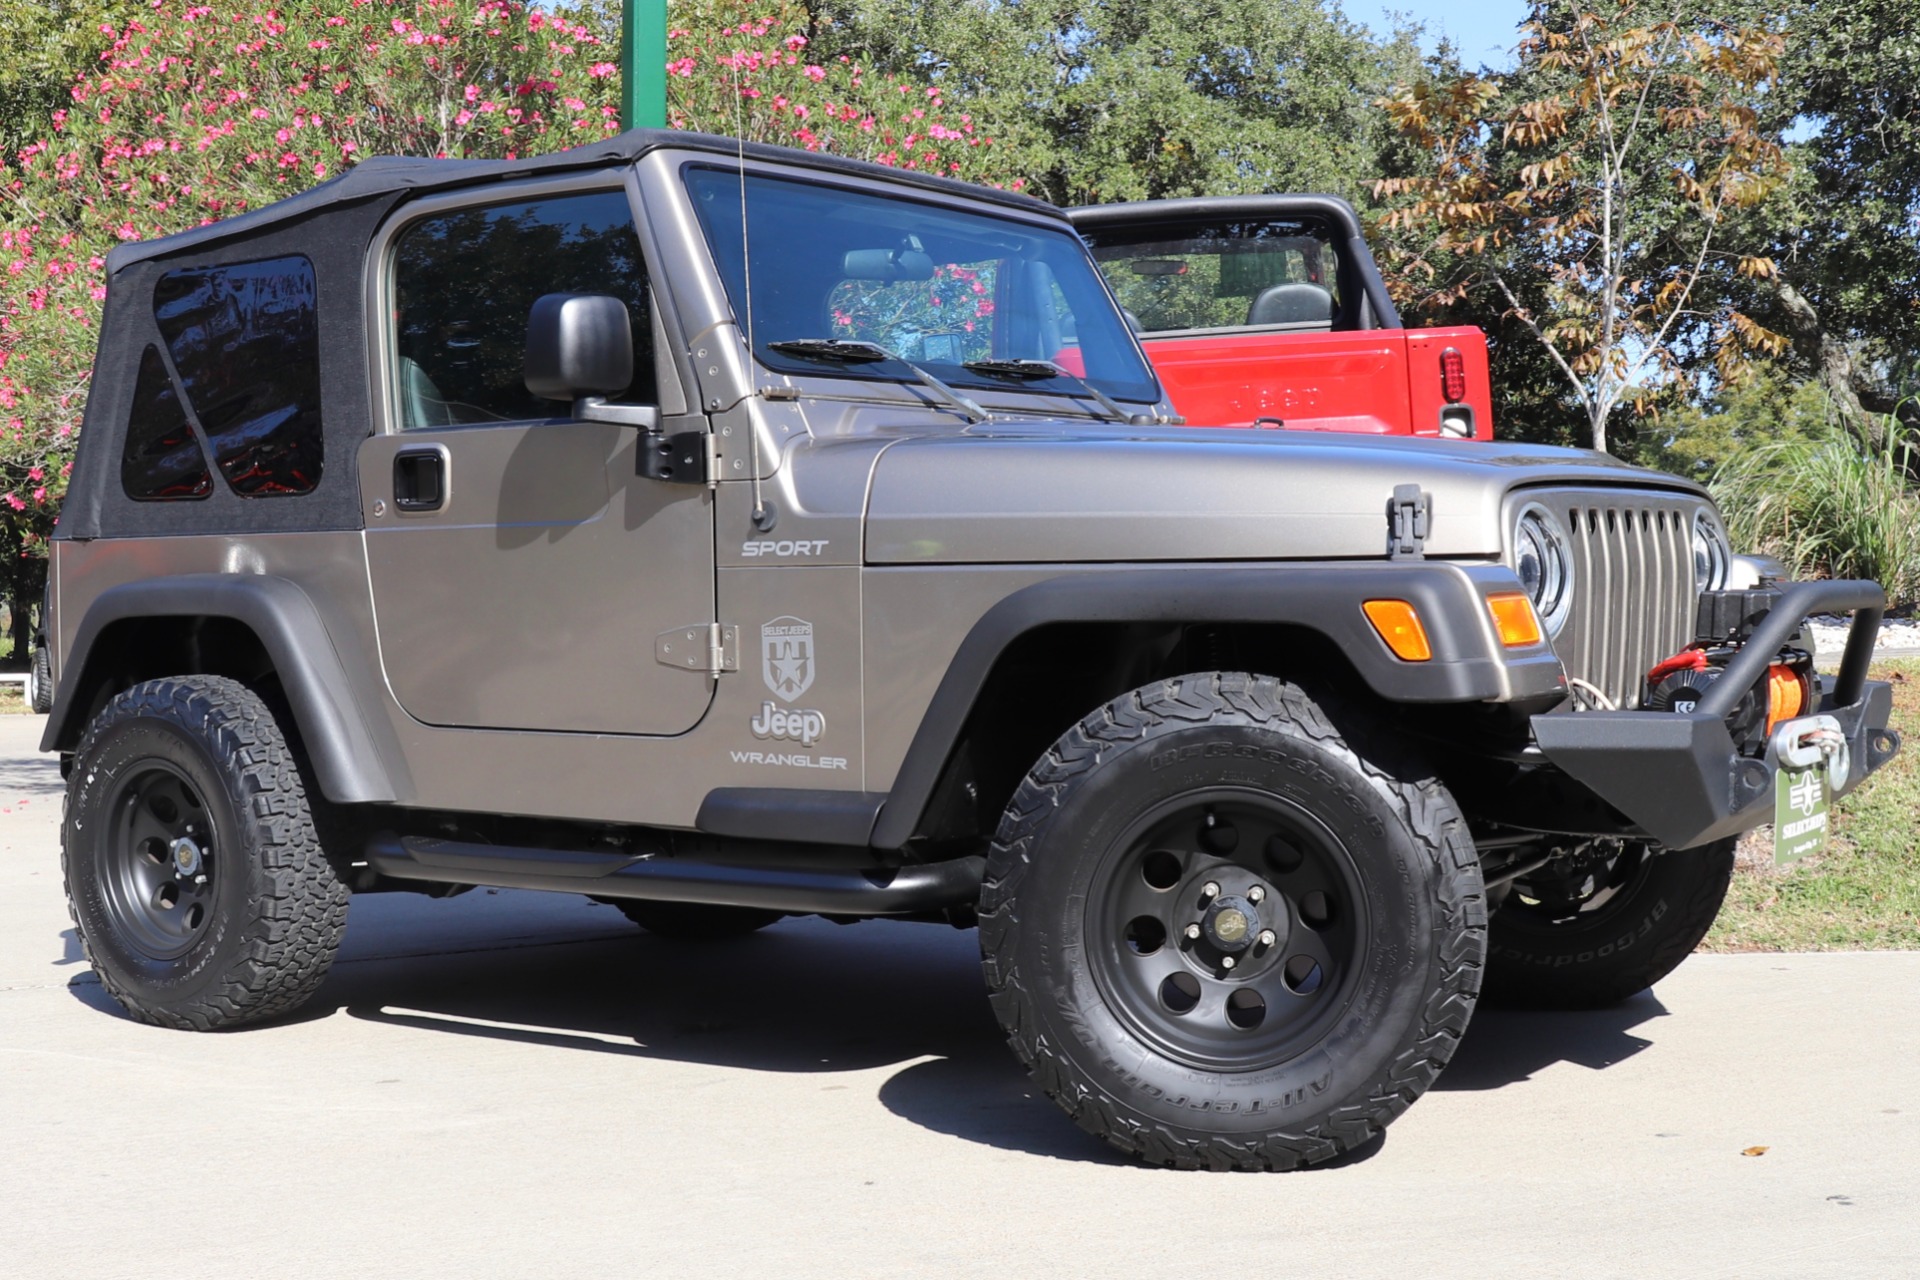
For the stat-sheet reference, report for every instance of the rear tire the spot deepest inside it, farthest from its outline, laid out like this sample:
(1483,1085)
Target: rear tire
(1590,933)
(1226,926)
(194,876)
(40,681)
(694,921)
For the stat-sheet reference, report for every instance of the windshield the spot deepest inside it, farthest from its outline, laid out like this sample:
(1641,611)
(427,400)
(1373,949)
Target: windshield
(1278,273)
(943,287)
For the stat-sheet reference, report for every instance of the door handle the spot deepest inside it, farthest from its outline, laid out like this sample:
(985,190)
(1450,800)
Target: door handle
(420,478)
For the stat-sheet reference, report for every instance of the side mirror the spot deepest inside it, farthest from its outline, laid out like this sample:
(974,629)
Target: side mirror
(580,349)
(578,344)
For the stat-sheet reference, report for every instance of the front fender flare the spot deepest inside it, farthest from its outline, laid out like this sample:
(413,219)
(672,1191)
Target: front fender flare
(1468,665)
(355,758)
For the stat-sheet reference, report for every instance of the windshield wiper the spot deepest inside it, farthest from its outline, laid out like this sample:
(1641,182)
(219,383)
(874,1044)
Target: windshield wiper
(849,351)
(1037,370)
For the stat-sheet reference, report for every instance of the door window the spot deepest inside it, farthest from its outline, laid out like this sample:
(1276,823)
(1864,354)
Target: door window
(463,283)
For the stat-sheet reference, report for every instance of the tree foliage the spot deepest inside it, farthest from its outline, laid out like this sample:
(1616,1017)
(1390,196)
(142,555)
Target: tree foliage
(1103,100)
(1592,191)
(1848,240)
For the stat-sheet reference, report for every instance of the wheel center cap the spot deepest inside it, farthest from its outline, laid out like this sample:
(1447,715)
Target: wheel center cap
(186,856)
(1231,924)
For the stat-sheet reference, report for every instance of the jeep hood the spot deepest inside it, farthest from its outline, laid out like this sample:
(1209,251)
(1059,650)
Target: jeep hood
(1009,495)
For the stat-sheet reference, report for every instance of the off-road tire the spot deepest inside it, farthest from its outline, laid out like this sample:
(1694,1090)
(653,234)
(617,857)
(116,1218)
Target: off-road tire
(1421,900)
(695,921)
(1599,958)
(274,911)
(40,681)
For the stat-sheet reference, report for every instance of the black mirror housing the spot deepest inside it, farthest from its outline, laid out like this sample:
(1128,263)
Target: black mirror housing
(578,345)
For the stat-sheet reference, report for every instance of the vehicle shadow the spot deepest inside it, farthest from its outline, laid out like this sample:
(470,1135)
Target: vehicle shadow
(29,778)
(801,996)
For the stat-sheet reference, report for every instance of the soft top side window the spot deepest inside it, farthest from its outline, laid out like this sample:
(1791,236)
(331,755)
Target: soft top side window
(245,340)
(463,283)
(162,460)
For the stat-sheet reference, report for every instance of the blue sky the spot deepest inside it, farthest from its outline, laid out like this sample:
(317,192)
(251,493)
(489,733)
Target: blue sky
(1484,30)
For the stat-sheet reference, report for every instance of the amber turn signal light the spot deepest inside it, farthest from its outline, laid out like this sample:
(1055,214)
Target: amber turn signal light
(1514,619)
(1786,694)
(1400,627)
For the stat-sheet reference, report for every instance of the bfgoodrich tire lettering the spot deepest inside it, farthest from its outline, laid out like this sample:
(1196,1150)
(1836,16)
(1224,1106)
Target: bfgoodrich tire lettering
(1247,750)
(1601,933)
(241,921)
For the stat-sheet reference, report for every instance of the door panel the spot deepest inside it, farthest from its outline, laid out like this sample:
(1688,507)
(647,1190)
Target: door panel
(531,596)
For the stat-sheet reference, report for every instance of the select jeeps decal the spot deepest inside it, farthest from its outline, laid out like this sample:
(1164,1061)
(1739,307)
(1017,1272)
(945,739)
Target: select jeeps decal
(784,549)
(786,664)
(786,657)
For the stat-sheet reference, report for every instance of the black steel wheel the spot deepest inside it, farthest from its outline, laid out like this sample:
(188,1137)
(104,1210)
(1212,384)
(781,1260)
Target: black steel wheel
(194,875)
(1603,921)
(1229,925)
(694,921)
(157,860)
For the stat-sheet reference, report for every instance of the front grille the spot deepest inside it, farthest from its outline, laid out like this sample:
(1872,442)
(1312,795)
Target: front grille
(1633,589)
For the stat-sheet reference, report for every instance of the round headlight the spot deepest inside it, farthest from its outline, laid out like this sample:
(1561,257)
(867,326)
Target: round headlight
(1712,554)
(1543,560)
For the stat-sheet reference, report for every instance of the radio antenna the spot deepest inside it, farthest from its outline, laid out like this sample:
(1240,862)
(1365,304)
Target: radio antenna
(760,520)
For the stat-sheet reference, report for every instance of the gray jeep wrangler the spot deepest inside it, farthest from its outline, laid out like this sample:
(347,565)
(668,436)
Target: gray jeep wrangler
(727,533)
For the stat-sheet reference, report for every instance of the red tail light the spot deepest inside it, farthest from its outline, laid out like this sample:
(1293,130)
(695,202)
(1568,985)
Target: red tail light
(1453,375)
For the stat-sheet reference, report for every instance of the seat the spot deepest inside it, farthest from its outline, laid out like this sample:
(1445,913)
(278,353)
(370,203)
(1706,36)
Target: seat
(1298,303)
(421,405)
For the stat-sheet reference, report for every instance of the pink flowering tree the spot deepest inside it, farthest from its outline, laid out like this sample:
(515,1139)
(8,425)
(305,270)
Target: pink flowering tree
(195,112)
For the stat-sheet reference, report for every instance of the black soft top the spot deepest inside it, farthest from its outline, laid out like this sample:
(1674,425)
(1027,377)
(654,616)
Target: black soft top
(392,175)
(331,226)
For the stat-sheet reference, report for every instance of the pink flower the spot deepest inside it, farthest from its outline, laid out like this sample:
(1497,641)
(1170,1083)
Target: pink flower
(600,70)
(816,74)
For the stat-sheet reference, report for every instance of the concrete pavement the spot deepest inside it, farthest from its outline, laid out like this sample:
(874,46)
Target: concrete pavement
(512,1085)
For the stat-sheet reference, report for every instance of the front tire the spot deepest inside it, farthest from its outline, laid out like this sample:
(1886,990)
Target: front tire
(1225,925)
(194,875)
(1604,922)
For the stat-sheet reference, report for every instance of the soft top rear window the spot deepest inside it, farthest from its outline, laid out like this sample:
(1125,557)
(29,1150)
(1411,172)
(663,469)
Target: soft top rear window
(1253,273)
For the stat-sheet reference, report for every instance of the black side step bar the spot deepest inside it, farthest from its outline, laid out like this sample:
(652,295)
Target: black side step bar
(866,891)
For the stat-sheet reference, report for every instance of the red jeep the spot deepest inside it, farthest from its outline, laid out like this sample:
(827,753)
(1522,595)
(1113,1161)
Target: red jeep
(1269,311)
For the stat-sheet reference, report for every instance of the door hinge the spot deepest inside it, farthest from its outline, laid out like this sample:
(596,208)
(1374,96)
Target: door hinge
(710,650)
(1408,517)
(684,457)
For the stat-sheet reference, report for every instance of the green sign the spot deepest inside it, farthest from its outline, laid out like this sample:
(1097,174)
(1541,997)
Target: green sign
(1800,817)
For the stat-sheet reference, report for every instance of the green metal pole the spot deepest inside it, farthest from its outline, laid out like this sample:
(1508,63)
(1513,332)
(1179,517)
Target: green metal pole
(643,64)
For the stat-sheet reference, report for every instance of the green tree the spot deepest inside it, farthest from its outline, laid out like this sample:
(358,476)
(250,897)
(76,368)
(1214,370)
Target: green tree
(1848,240)
(1594,193)
(1104,100)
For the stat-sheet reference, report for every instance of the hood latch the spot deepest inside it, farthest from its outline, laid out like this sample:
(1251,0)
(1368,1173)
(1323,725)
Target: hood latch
(1408,517)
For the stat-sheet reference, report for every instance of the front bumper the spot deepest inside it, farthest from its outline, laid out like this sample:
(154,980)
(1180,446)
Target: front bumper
(1677,776)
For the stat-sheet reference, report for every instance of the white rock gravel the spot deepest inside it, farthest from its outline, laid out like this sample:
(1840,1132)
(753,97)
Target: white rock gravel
(1897,636)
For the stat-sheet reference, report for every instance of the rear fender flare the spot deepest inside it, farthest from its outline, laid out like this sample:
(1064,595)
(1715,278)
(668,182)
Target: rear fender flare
(355,758)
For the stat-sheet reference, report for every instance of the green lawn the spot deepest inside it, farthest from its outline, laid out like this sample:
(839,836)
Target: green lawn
(1863,893)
